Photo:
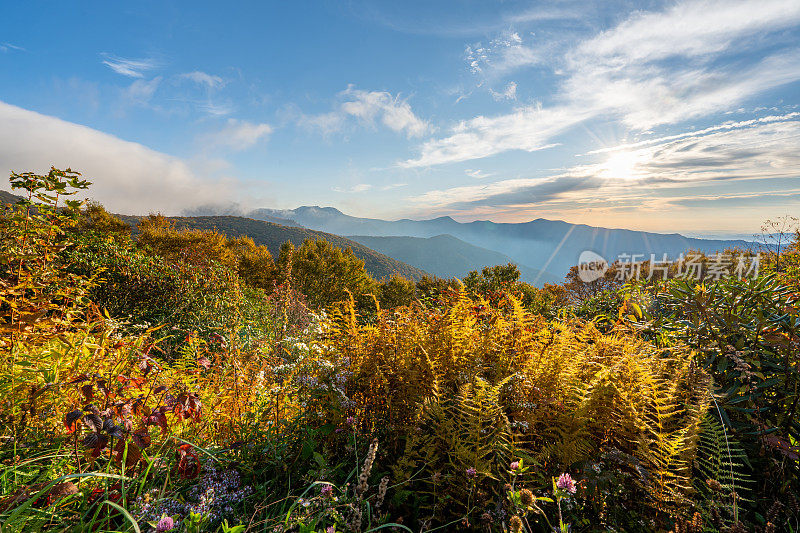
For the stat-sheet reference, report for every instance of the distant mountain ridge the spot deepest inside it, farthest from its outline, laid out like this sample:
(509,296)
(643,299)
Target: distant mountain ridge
(551,246)
(446,256)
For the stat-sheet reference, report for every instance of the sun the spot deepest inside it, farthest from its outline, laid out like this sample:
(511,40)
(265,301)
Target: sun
(621,166)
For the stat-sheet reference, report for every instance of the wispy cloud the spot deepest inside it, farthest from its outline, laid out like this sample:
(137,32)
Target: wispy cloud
(201,78)
(216,109)
(501,55)
(654,68)
(477,174)
(636,175)
(8,47)
(134,68)
(359,187)
(528,128)
(371,108)
(509,93)
(238,135)
(141,91)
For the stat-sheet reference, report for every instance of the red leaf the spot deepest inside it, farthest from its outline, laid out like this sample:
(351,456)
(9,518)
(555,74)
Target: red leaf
(158,418)
(141,438)
(71,420)
(88,392)
(94,422)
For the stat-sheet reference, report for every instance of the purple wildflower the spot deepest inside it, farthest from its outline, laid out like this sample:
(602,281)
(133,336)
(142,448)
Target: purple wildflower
(326,490)
(165,524)
(514,465)
(566,483)
(330,529)
(471,472)
(351,420)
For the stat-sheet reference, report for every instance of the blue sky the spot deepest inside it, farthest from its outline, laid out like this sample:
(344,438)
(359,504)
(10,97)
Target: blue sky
(664,116)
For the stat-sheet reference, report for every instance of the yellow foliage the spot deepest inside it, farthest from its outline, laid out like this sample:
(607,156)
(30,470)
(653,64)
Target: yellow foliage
(565,391)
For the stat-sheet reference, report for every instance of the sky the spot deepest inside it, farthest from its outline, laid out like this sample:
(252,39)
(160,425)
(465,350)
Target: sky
(661,116)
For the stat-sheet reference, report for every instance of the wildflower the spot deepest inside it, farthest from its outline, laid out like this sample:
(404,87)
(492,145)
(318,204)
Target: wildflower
(382,488)
(351,421)
(526,497)
(367,468)
(566,483)
(514,465)
(165,524)
(515,524)
(326,490)
(471,472)
(330,529)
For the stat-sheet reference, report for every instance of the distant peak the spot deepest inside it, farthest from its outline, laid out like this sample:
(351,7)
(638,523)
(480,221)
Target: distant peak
(316,208)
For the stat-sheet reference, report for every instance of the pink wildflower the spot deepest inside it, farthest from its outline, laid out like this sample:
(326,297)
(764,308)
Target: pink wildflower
(471,472)
(165,524)
(326,490)
(566,483)
(514,465)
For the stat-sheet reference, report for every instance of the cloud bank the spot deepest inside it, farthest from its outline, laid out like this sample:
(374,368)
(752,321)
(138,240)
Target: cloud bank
(126,177)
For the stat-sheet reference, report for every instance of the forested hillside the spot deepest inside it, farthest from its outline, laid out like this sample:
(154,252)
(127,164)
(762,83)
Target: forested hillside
(272,235)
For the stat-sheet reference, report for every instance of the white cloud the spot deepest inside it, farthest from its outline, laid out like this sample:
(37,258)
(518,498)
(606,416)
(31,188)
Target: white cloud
(755,150)
(509,93)
(527,128)
(477,174)
(359,187)
(698,133)
(134,68)
(369,107)
(501,55)
(216,109)
(325,123)
(630,73)
(141,91)
(5,47)
(127,177)
(689,29)
(239,135)
(202,78)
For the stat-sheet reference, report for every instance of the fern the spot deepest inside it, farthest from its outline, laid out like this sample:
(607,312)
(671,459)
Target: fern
(456,433)
(720,457)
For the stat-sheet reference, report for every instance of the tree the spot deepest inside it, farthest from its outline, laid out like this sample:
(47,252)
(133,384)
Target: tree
(96,219)
(253,263)
(492,279)
(325,274)
(396,292)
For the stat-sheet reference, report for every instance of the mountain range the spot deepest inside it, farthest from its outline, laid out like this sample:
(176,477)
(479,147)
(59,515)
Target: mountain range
(544,249)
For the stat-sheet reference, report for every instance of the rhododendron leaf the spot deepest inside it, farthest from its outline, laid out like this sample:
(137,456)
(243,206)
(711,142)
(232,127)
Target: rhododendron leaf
(71,419)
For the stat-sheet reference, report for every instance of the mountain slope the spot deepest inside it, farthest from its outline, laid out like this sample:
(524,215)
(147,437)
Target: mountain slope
(446,256)
(548,245)
(8,198)
(272,235)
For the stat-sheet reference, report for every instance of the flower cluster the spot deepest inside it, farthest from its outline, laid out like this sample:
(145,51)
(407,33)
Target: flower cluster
(215,495)
(566,483)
